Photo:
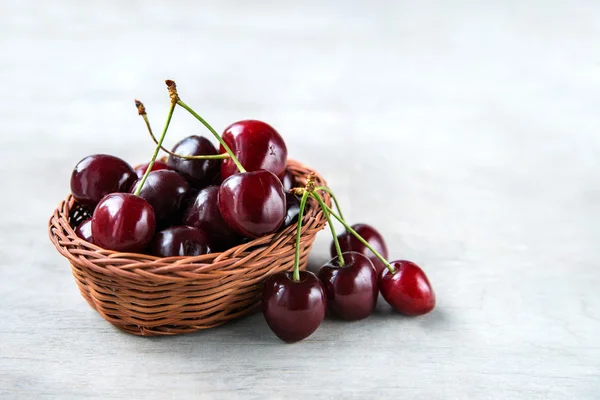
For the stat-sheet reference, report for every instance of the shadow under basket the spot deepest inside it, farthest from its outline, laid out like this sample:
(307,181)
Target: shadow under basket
(147,296)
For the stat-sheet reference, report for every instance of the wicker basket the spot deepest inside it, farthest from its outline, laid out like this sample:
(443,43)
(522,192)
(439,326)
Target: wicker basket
(146,295)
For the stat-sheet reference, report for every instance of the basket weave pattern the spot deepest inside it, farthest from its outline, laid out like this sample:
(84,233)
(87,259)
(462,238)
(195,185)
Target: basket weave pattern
(146,295)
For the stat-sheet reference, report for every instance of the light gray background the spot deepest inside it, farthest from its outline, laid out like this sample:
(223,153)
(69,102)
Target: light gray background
(467,132)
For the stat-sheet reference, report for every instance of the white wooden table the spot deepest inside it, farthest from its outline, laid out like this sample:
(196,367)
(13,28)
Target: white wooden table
(468,133)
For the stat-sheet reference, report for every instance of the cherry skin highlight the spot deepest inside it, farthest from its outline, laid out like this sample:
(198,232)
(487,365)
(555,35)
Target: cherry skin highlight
(199,173)
(252,203)
(140,170)
(98,175)
(407,290)
(288,181)
(352,289)
(348,242)
(180,241)
(84,231)
(292,209)
(257,145)
(293,309)
(203,213)
(165,191)
(123,222)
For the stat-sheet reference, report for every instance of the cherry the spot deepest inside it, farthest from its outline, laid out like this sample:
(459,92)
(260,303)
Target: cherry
(200,173)
(98,175)
(140,170)
(252,203)
(288,181)
(351,289)
(180,241)
(165,191)
(349,242)
(257,145)
(293,309)
(203,212)
(407,290)
(84,230)
(123,222)
(292,209)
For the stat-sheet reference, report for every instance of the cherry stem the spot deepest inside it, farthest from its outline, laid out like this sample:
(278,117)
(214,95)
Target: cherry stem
(142,112)
(240,167)
(336,242)
(296,274)
(360,238)
(157,150)
(337,205)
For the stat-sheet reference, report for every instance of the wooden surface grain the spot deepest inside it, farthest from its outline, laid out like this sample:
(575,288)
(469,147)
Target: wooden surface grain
(467,132)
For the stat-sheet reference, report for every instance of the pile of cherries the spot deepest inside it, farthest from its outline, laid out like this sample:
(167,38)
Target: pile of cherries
(294,304)
(203,200)
(200,201)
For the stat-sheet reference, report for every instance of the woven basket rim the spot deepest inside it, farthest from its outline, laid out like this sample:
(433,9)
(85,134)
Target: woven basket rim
(138,266)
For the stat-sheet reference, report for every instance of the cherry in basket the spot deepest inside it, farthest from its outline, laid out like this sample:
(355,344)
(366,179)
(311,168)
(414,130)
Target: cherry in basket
(98,175)
(257,145)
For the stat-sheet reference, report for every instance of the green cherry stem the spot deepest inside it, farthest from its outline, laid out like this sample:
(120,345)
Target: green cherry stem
(142,112)
(337,205)
(157,150)
(360,238)
(175,98)
(211,129)
(324,207)
(296,274)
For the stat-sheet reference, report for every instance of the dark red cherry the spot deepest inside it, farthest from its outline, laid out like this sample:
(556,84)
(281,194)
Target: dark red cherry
(180,241)
(407,290)
(165,191)
(140,170)
(200,173)
(293,309)
(348,242)
(292,209)
(203,212)
(123,222)
(256,145)
(352,290)
(252,203)
(84,230)
(288,180)
(98,175)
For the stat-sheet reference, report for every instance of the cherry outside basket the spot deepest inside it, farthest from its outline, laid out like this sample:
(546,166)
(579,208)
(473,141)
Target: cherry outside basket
(146,295)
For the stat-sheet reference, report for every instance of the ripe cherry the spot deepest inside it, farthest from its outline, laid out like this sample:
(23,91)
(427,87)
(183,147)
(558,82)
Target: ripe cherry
(180,241)
(257,145)
(84,230)
(199,173)
(123,222)
(293,309)
(252,203)
(351,289)
(203,213)
(407,290)
(349,242)
(98,175)
(165,191)
(140,170)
